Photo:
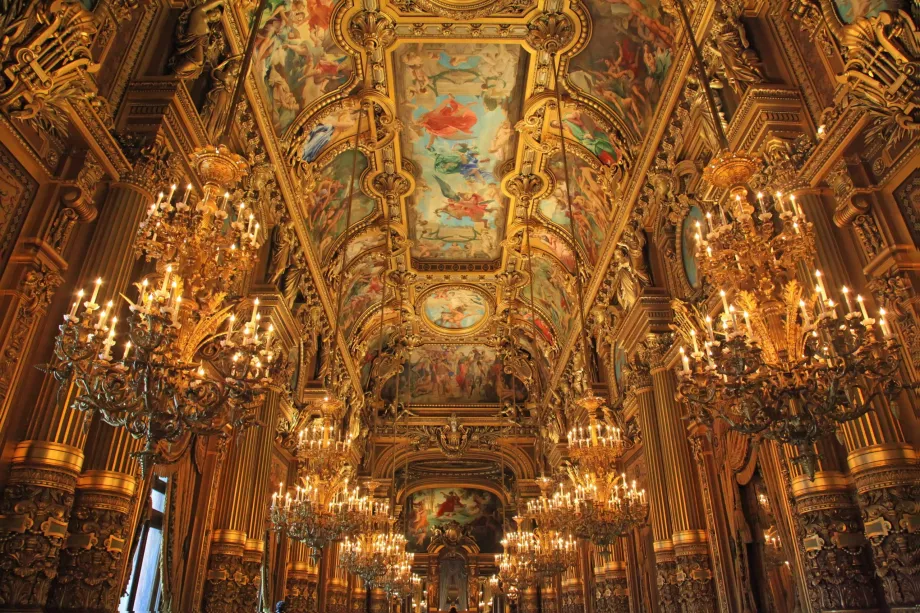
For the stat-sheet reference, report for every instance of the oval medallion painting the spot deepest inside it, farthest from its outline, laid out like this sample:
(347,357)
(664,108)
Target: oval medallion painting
(455,309)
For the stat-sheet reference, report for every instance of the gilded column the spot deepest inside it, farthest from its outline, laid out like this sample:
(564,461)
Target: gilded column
(548,599)
(359,601)
(92,564)
(617,593)
(302,578)
(886,472)
(227,580)
(691,549)
(260,495)
(639,383)
(55,432)
(838,574)
(379,601)
(529,601)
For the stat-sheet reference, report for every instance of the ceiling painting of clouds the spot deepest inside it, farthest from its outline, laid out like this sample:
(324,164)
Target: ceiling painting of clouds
(458,102)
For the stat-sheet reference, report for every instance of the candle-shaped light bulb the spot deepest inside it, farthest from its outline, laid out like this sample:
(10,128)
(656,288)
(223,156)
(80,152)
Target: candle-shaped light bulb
(73,309)
(255,312)
(846,296)
(862,307)
(724,300)
(127,350)
(96,286)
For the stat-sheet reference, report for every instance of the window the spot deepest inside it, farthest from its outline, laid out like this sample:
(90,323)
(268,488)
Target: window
(143,593)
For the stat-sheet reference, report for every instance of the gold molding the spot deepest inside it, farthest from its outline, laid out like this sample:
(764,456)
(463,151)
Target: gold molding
(108,481)
(824,481)
(229,537)
(689,537)
(46,453)
(881,456)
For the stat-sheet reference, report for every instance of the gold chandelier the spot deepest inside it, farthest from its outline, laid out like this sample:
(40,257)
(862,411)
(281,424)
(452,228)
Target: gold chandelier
(322,451)
(184,366)
(597,448)
(319,511)
(398,581)
(780,362)
(181,373)
(376,548)
(515,563)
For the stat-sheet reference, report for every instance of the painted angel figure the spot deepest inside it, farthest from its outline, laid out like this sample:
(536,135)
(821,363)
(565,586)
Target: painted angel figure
(463,204)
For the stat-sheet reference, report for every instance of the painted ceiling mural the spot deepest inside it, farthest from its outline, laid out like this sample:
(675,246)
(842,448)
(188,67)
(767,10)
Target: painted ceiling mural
(626,66)
(458,103)
(298,57)
(327,202)
(459,92)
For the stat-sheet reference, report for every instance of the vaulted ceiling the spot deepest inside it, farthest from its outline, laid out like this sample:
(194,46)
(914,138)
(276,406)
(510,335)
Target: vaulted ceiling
(459,160)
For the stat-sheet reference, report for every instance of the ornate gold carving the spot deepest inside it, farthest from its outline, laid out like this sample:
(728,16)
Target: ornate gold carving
(668,590)
(96,548)
(694,578)
(550,32)
(34,511)
(46,63)
(199,39)
(738,62)
(834,552)
(224,77)
(301,592)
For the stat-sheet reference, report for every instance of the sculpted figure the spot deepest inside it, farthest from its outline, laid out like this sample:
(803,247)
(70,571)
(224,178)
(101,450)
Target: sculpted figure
(192,36)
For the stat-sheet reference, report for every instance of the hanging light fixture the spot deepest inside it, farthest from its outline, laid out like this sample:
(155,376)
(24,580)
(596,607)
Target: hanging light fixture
(184,367)
(374,549)
(779,362)
(515,563)
(318,511)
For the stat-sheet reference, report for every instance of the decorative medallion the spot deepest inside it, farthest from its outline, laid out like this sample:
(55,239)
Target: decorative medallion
(455,309)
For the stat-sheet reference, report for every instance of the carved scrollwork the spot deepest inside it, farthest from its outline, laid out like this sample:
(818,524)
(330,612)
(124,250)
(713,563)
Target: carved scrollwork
(46,62)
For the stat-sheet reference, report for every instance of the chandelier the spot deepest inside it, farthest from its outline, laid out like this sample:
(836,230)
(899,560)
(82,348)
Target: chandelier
(554,552)
(596,449)
(607,507)
(780,362)
(515,563)
(321,450)
(376,548)
(398,581)
(318,512)
(181,373)
(184,366)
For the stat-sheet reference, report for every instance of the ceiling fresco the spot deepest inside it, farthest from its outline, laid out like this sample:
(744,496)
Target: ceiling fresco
(299,58)
(459,155)
(458,103)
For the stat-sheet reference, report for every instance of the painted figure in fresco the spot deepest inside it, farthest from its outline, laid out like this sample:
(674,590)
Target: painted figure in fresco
(450,119)
(464,160)
(594,140)
(299,59)
(322,134)
(450,505)
(463,204)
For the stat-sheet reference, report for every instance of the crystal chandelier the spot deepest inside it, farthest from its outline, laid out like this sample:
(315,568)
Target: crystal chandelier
(779,363)
(318,512)
(398,581)
(515,563)
(597,449)
(184,367)
(554,552)
(607,507)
